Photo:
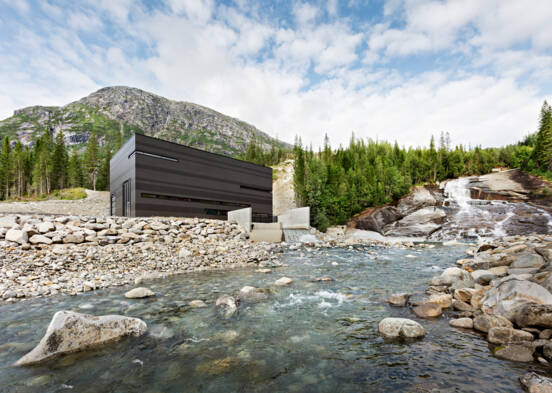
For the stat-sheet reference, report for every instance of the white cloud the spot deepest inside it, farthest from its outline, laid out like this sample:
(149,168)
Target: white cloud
(305,13)
(197,10)
(259,69)
(81,21)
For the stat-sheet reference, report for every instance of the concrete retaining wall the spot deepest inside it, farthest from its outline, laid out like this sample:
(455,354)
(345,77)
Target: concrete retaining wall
(295,218)
(242,217)
(267,232)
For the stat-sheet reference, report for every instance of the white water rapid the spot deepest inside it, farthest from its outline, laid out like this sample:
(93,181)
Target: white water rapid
(479,219)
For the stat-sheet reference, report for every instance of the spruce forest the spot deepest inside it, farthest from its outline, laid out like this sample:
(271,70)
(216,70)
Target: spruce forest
(337,184)
(48,166)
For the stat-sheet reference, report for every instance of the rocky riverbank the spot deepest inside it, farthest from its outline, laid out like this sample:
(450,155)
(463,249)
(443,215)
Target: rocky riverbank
(48,255)
(503,291)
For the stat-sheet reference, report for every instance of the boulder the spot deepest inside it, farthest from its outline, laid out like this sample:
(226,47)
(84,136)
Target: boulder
(461,306)
(534,383)
(8,222)
(534,315)
(398,299)
(197,304)
(442,299)
(465,323)
(17,236)
(283,281)
(74,238)
(547,351)
(485,322)
(483,277)
(226,306)
(252,294)
(505,335)
(139,293)
(515,352)
(420,223)
(40,239)
(464,294)
(46,226)
(323,279)
(71,332)
(546,334)
(532,260)
(545,252)
(505,298)
(400,327)
(453,274)
(419,198)
(499,271)
(375,219)
(428,310)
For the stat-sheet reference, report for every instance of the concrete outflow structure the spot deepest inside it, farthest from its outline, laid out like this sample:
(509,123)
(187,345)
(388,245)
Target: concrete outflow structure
(288,225)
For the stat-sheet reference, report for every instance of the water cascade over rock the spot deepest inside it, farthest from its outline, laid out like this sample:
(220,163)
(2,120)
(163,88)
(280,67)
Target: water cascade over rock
(478,218)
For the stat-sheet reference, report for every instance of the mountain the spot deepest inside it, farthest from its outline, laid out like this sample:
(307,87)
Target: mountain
(129,110)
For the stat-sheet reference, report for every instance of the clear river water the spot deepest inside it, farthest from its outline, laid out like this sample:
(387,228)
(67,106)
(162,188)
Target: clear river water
(308,337)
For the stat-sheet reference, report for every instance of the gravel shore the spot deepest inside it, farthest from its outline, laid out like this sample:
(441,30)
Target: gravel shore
(46,255)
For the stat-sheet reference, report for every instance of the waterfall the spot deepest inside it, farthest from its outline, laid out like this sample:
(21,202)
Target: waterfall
(479,219)
(457,192)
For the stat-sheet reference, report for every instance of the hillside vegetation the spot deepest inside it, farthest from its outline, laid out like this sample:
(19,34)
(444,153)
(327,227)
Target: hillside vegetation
(338,184)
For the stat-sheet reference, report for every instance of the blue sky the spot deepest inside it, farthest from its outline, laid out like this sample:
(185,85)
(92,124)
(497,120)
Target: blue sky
(388,69)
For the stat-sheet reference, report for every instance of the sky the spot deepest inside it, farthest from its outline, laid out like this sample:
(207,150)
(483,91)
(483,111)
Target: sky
(384,69)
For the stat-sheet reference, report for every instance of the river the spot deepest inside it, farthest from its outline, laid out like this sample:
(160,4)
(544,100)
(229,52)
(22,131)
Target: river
(308,337)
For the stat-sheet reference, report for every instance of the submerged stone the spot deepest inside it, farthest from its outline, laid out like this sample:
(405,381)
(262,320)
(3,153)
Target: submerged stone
(71,332)
(400,327)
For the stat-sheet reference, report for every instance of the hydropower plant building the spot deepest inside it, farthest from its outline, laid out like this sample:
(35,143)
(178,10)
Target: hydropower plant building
(154,177)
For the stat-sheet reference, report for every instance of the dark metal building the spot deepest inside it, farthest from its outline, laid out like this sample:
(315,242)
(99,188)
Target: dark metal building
(153,177)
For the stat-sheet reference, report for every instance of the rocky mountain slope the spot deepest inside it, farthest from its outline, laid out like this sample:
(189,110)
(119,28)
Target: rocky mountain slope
(129,110)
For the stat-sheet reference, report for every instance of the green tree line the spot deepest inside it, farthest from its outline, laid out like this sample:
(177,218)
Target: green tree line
(48,165)
(338,184)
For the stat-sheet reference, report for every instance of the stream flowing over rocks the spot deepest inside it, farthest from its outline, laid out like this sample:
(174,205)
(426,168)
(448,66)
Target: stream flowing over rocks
(470,208)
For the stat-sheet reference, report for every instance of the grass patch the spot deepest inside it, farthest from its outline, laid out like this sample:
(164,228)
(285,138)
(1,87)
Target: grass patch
(69,194)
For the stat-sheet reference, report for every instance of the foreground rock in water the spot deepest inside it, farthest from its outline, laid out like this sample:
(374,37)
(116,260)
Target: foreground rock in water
(398,299)
(71,332)
(400,327)
(226,306)
(515,352)
(428,310)
(139,293)
(534,383)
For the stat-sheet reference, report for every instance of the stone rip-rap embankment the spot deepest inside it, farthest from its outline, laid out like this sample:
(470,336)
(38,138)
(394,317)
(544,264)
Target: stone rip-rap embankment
(47,255)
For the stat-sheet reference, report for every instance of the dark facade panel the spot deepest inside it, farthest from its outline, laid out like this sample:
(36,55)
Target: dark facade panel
(169,179)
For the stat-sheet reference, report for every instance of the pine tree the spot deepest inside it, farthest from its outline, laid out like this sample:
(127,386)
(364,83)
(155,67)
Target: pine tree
(5,168)
(19,169)
(91,160)
(542,154)
(59,163)
(119,139)
(75,176)
(103,176)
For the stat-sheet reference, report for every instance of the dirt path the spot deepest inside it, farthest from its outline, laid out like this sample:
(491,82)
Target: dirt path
(95,204)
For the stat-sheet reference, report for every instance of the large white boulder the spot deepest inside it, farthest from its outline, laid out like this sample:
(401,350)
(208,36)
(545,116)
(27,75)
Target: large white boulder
(46,226)
(400,327)
(509,295)
(139,293)
(17,236)
(71,332)
(8,222)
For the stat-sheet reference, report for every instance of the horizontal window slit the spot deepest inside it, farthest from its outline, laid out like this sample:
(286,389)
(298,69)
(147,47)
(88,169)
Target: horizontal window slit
(194,200)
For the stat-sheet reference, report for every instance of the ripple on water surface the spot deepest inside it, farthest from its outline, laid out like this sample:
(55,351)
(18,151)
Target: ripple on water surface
(307,337)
